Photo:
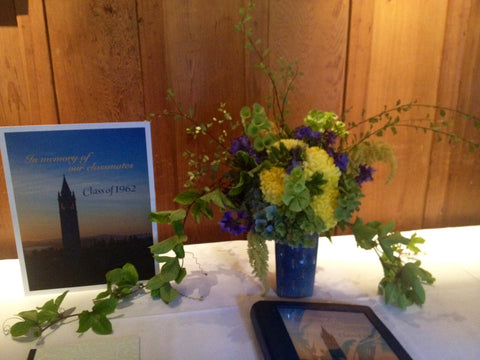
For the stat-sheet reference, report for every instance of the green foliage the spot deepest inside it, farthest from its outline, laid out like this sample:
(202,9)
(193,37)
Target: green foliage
(434,119)
(323,121)
(121,283)
(171,270)
(349,200)
(97,318)
(370,152)
(258,256)
(257,126)
(197,204)
(296,196)
(402,284)
(34,322)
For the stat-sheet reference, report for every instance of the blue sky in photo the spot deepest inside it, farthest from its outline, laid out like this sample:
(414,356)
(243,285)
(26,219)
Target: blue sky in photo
(109,201)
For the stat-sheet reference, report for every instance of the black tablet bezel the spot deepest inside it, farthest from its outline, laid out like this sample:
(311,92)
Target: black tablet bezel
(275,341)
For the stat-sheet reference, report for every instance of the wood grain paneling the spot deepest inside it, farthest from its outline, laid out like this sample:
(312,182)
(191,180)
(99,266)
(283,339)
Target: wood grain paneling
(104,60)
(26,90)
(314,33)
(453,195)
(397,55)
(96,60)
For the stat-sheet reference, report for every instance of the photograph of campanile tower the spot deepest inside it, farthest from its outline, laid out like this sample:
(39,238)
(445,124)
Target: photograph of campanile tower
(82,195)
(68,218)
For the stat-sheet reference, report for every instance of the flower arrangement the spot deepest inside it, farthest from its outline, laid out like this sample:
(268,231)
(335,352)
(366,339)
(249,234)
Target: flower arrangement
(272,182)
(290,185)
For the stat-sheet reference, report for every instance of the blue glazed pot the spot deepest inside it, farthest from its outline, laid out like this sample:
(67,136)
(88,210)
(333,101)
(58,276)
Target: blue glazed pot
(295,270)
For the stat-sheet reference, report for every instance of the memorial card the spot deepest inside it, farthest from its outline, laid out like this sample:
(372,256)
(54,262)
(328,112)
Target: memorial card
(80,197)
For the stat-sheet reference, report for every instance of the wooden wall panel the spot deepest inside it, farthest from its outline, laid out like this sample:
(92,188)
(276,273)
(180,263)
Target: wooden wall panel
(96,60)
(314,33)
(398,56)
(12,109)
(26,90)
(454,183)
(151,22)
(205,59)
(105,60)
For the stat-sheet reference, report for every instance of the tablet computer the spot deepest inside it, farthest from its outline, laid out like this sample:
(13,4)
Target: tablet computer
(303,330)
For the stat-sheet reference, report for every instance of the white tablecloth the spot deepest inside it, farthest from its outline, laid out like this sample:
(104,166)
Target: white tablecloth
(219,326)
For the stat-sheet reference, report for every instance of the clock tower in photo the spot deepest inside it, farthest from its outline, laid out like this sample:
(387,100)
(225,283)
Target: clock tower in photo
(68,217)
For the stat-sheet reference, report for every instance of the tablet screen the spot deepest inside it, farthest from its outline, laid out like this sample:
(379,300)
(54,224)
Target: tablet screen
(329,334)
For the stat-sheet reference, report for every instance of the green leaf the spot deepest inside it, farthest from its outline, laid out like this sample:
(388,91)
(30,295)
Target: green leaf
(162,259)
(170,270)
(161,217)
(60,298)
(414,240)
(386,228)
(156,282)
(46,316)
(297,201)
(114,276)
(364,234)
(130,274)
(179,251)
(178,227)
(177,215)
(101,325)
(84,321)
(103,294)
(168,244)
(201,207)
(181,275)
(168,294)
(165,217)
(22,328)
(31,315)
(218,198)
(187,197)
(106,306)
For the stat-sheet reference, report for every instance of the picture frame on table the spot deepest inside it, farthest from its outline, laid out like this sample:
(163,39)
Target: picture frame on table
(80,197)
(313,330)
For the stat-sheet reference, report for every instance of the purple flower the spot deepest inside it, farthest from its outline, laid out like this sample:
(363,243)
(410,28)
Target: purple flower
(296,159)
(235,226)
(242,143)
(365,175)
(307,134)
(341,161)
(330,139)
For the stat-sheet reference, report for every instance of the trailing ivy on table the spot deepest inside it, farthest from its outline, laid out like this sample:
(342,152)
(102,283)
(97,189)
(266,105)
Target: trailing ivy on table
(121,283)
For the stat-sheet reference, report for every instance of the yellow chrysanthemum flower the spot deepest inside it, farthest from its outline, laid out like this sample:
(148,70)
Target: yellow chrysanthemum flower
(324,206)
(271,184)
(290,143)
(318,160)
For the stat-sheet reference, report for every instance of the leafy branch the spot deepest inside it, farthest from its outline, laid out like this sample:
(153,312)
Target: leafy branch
(402,284)
(288,72)
(390,119)
(121,283)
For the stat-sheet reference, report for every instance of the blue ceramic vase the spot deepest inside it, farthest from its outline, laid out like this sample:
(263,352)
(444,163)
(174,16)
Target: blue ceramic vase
(295,270)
